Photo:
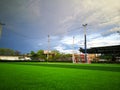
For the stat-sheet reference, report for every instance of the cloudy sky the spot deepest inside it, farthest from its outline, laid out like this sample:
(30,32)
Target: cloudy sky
(29,22)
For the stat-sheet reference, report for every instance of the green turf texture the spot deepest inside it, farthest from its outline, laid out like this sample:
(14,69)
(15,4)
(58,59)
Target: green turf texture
(59,76)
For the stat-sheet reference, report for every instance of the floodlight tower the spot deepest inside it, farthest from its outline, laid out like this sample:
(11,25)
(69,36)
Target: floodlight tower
(73,56)
(48,47)
(85,43)
(1,24)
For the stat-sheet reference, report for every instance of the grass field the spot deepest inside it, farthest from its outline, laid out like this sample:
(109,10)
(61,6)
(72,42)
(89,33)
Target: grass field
(58,76)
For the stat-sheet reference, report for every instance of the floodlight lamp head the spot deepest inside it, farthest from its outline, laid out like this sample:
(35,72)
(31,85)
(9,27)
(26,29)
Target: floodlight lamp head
(84,25)
(118,31)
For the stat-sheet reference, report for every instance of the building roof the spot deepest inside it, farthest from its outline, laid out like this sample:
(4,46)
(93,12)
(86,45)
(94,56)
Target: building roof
(104,50)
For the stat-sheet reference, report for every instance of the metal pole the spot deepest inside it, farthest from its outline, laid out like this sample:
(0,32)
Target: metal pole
(0,31)
(73,57)
(85,43)
(48,47)
(1,24)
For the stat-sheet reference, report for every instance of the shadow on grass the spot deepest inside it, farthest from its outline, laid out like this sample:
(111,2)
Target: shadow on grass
(87,67)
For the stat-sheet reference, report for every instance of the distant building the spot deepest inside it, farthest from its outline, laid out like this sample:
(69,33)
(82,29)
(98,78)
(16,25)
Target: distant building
(81,58)
(49,54)
(13,58)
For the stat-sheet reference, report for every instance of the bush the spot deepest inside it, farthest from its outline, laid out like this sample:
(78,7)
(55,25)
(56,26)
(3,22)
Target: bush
(107,62)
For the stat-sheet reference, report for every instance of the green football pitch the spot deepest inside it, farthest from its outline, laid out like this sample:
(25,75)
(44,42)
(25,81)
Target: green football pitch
(58,76)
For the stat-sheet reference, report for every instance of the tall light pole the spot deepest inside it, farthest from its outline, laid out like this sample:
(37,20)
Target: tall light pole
(1,24)
(85,43)
(73,57)
(48,47)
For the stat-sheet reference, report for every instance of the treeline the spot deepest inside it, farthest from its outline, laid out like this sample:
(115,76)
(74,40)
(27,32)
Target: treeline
(54,55)
(9,52)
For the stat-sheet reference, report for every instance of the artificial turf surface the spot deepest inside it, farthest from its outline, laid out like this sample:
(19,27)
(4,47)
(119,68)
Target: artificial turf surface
(58,76)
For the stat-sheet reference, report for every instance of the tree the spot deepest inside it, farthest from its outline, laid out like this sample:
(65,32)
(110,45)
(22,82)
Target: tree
(41,54)
(8,52)
(56,54)
(32,53)
(17,52)
(34,56)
